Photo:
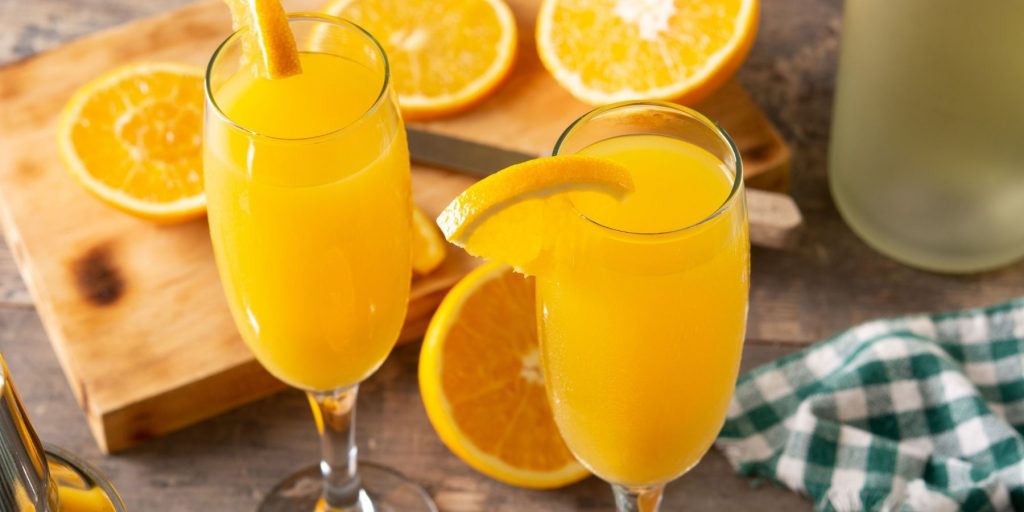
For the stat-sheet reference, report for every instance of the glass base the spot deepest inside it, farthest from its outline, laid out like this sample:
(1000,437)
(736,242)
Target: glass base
(384,490)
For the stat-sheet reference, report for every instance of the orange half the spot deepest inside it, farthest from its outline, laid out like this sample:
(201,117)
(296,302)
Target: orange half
(482,384)
(445,55)
(604,51)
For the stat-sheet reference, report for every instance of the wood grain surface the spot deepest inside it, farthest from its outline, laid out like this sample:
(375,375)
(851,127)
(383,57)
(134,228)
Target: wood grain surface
(828,282)
(135,310)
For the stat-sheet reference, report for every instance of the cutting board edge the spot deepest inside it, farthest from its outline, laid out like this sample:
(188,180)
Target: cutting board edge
(118,429)
(779,178)
(43,306)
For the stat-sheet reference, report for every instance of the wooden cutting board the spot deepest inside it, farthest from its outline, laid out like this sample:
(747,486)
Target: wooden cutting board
(135,311)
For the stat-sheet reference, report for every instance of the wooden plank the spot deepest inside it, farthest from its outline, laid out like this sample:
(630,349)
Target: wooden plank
(135,311)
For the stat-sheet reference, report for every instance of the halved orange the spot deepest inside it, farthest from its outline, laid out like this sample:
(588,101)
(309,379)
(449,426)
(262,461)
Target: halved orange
(133,137)
(604,51)
(428,248)
(482,384)
(445,55)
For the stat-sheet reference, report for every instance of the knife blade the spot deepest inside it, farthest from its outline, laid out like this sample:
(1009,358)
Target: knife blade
(775,220)
(456,154)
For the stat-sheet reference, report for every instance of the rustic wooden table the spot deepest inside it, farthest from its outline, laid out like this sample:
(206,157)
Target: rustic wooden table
(830,281)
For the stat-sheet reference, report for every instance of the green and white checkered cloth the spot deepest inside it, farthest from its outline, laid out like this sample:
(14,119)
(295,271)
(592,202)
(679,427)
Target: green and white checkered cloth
(915,413)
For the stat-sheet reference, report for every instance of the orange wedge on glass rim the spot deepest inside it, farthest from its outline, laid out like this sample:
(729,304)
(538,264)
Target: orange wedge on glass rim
(506,216)
(268,43)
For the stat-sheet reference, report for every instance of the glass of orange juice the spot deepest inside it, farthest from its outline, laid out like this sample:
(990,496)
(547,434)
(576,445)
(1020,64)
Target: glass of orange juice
(308,186)
(643,311)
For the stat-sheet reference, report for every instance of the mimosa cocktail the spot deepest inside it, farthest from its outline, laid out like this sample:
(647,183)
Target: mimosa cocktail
(308,185)
(636,231)
(643,309)
(313,238)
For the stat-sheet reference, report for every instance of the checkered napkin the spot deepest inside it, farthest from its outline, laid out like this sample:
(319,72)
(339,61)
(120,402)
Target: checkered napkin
(915,413)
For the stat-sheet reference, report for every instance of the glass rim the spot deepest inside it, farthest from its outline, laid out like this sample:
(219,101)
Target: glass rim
(55,453)
(730,199)
(301,16)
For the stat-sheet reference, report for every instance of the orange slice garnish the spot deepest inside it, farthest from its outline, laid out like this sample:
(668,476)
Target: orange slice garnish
(506,216)
(268,41)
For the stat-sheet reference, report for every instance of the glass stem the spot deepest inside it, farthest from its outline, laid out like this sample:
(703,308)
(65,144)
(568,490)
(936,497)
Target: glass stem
(335,415)
(638,499)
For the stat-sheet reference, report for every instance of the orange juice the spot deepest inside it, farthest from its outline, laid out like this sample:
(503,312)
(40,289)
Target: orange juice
(310,219)
(641,333)
(84,500)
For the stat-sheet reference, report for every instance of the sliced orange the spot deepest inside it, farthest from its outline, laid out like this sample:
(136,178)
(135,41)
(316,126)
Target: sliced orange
(268,41)
(445,55)
(427,245)
(604,51)
(133,137)
(508,215)
(482,384)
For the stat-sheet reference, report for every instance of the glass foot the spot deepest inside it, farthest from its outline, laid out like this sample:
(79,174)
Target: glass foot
(385,490)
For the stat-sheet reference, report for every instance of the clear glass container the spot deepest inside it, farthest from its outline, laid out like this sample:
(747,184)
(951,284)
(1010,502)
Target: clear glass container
(36,480)
(80,487)
(927,152)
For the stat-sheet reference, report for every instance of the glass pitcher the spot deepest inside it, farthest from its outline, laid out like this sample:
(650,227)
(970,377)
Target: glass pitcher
(927,152)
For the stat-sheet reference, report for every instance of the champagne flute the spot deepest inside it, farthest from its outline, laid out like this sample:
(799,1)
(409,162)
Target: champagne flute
(308,186)
(643,310)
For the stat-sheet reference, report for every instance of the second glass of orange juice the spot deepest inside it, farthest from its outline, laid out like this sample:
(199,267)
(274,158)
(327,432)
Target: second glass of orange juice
(643,310)
(308,184)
